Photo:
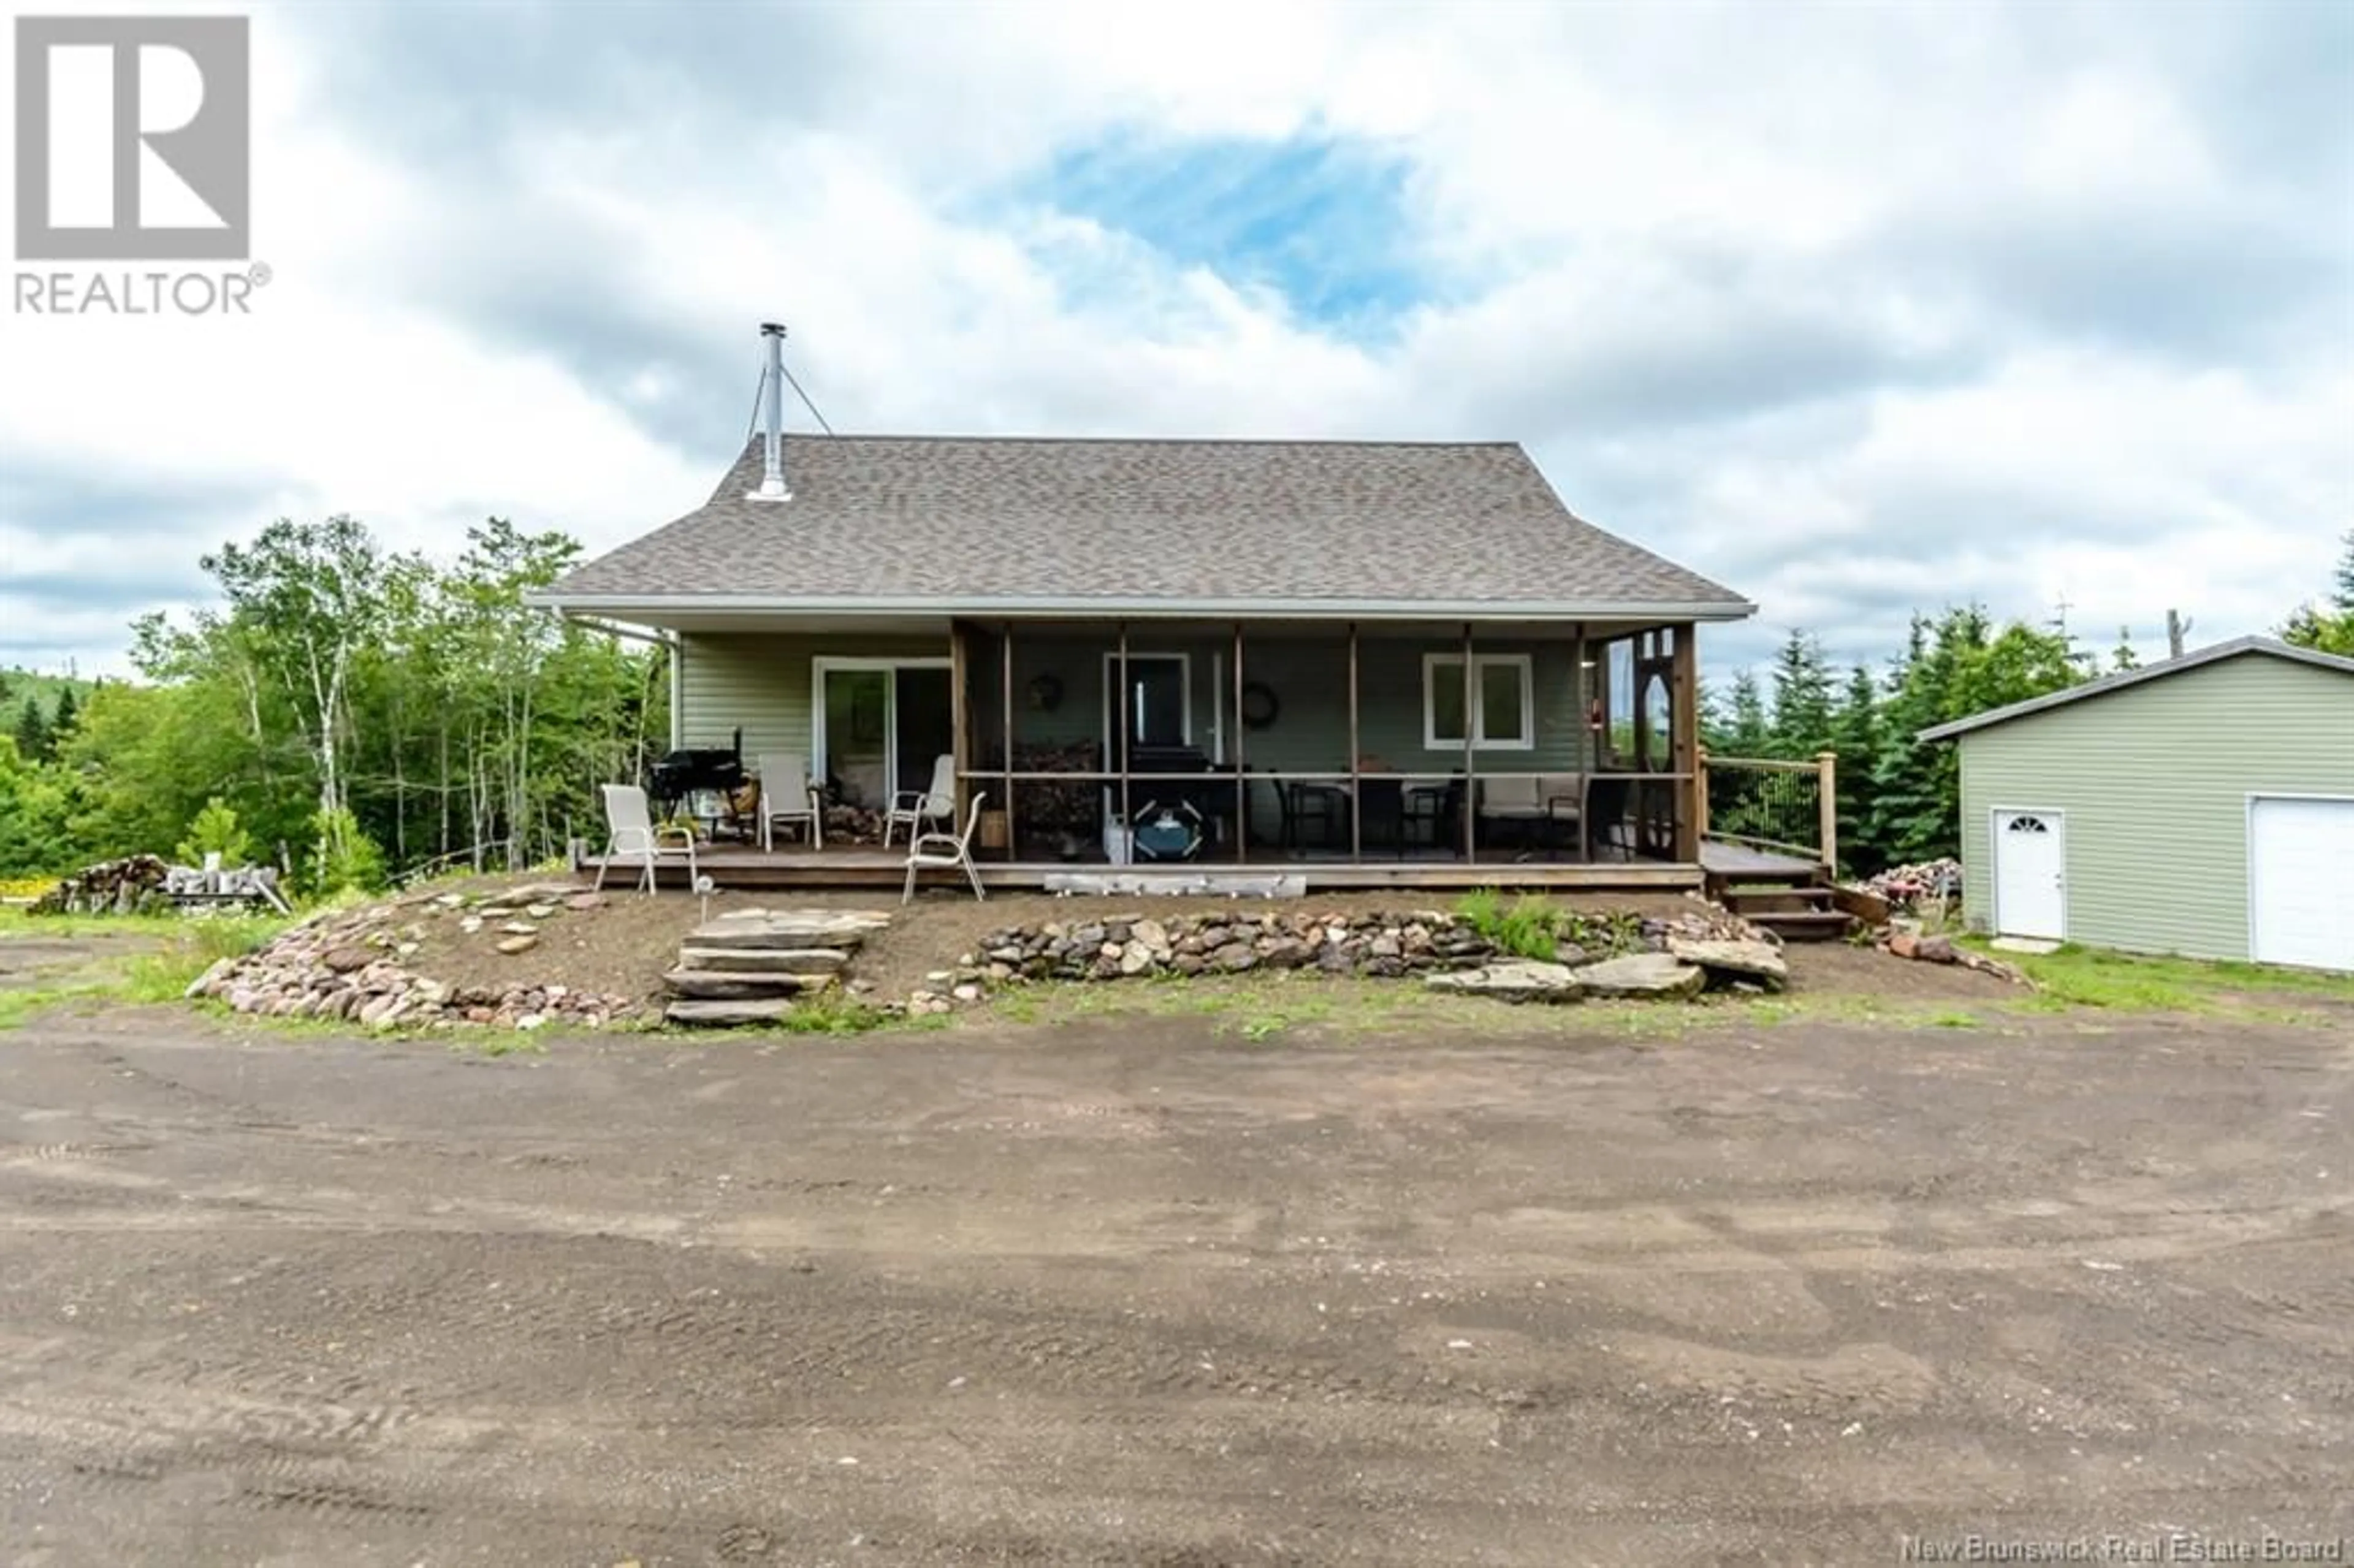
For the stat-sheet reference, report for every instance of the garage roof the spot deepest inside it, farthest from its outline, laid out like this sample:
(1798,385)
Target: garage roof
(2271,648)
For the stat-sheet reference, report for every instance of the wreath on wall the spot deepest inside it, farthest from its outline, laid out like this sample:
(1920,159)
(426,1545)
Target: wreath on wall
(1259,705)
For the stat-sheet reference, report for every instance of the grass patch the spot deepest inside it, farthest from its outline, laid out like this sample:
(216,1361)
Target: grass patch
(185,949)
(2135,982)
(1534,926)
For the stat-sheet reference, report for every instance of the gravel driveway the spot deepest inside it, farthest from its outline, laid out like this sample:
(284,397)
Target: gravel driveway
(1129,1292)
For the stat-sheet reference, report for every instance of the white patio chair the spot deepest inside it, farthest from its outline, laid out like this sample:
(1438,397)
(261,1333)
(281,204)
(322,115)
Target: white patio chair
(788,795)
(632,831)
(917,807)
(946,852)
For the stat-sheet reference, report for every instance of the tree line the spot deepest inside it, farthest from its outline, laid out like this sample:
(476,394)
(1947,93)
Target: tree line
(358,712)
(1898,800)
(353,710)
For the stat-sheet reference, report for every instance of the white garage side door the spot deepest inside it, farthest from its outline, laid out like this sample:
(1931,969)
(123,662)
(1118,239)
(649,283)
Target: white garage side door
(2301,882)
(2031,873)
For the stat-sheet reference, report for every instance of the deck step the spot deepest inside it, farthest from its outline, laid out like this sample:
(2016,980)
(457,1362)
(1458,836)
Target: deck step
(1756,901)
(1804,925)
(765,961)
(723,985)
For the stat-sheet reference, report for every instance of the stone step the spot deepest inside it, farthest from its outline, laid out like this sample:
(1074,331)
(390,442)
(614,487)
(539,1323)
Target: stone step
(728,1014)
(788,928)
(720,985)
(765,961)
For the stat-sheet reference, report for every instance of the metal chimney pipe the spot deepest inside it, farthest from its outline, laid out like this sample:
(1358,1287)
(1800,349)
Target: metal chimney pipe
(772,417)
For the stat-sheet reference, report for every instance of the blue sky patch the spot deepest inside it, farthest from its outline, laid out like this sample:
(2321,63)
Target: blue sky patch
(1318,220)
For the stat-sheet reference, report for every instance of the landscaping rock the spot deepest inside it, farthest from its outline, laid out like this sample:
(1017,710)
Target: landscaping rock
(842,928)
(343,960)
(1516,980)
(584,901)
(205,984)
(729,1014)
(520,929)
(1642,975)
(539,911)
(1935,950)
(765,961)
(1748,960)
(719,985)
(518,944)
(1418,943)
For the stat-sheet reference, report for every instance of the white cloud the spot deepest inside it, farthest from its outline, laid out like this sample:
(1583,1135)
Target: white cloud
(1858,311)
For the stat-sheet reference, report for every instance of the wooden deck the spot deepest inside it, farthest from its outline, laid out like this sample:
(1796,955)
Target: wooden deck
(1740,862)
(738,867)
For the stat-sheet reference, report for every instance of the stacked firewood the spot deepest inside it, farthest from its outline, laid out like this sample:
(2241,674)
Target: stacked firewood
(133,885)
(850,824)
(146,885)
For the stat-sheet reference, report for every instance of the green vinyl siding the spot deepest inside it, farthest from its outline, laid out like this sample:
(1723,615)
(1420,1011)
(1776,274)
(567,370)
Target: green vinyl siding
(761,681)
(2154,781)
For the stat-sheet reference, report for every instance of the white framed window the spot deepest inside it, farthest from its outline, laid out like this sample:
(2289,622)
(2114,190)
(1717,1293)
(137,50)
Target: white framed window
(1503,702)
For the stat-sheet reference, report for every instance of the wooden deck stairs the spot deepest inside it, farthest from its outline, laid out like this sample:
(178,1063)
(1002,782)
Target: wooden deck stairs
(1794,911)
(1794,899)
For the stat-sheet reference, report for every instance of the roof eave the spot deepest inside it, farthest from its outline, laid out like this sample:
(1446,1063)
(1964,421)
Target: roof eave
(626,607)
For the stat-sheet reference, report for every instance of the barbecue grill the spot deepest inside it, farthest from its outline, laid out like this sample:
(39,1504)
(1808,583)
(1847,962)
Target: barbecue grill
(686,771)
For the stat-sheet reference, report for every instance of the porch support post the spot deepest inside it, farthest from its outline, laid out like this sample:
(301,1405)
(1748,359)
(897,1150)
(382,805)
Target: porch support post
(959,717)
(1124,740)
(1005,671)
(1241,777)
(1683,708)
(1356,785)
(1470,765)
(1827,806)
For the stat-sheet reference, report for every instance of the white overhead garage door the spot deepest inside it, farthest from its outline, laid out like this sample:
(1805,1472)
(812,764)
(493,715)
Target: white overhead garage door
(2301,881)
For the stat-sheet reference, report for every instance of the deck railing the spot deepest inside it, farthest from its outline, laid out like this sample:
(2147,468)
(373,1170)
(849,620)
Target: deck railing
(1769,803)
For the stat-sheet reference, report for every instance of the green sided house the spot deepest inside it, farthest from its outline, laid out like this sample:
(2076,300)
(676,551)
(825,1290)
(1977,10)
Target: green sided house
(1392,663)
(2203,806)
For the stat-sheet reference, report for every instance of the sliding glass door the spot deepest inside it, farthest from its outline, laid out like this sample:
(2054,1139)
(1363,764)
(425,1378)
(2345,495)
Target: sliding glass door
(877,725)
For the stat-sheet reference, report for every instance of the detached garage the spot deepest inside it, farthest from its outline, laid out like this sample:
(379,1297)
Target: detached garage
(2203,806)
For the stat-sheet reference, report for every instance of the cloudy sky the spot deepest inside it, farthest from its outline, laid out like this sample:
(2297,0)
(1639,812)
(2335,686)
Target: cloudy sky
(1855,310)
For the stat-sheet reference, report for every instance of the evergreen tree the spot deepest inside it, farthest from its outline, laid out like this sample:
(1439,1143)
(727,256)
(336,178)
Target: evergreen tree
(68,715)
(1747,733)
(1802,697)
(2122,657)
(1856,736)
(33,733)
(2329,626)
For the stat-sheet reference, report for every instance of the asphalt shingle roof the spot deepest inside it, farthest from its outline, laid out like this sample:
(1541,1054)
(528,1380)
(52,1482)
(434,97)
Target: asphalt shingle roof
(977,520)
